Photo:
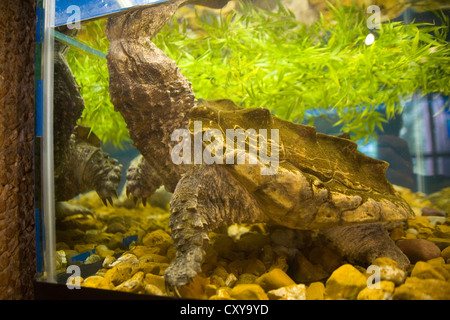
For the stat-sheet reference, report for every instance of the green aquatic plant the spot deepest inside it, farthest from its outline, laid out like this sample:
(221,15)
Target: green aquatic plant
(259,58)
(91,72)
(269,59)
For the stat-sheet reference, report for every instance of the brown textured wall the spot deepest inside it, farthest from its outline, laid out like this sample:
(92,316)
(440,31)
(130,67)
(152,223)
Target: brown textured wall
(17,247)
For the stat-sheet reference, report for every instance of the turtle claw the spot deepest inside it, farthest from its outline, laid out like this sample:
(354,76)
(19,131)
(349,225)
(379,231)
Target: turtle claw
(144,201)
(110,200)
(104,202)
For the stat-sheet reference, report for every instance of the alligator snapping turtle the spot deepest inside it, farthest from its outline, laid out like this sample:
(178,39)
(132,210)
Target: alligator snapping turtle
(322,182)
(80,163)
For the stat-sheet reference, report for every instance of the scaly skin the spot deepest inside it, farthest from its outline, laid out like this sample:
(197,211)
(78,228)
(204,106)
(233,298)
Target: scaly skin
(323,182)
(80,163)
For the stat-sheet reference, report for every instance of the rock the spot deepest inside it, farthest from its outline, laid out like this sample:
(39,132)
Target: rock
(128,258)
(442,231)
(133,285)
(74,282)
(429,211)
(158,238)
(152,257)
(92,259)
(109,260)
(274,279)
(79,221)
(157,268)
(424,270)
(222,294)
(384,292)
(422,289)
(345,283)
(81,248)
(210,290)
(224,245)
(422,225)
(115,242)
(120,272)
(389,270)
(252,242)
(219,276)
(156,281)
(140,251)
(153,290)
(246,278)
(436,220)
(302,270)
(446,253)
(97,282)
(329,259)
(292,292)
(315,291)
(440,266)
(103,251)
(248,292)
(419,249)
(116,227)
(240,266)
(231,280)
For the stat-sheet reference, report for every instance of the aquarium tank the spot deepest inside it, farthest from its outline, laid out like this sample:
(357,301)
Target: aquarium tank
(244,149)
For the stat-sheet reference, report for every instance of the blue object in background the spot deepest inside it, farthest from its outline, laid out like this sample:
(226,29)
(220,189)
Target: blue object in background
(67,12)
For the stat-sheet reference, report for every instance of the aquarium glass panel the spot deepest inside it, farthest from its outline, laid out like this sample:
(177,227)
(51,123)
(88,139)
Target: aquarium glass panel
(245,149)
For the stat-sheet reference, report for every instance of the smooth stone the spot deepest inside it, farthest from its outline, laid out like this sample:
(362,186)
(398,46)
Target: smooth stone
(274,279)
(315,291)
(446,253)
(252,242)
(302,270)
(292,292)
(158,238)
(103,251)
(155,280)
(119,273)
(248,292)
(116,227)
(109,260)
(345,283)
(134,285)
(390,270)
(140,251)
(153,290)
(93,258)
(423,289)
(419,249)
(384,292)
(424,270)
(429,211)
(97,282)
(442,231)
(329,259)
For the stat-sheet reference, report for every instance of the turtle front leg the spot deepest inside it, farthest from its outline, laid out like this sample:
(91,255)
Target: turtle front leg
(205,198)
(97,170)
(363,243)
(142,180)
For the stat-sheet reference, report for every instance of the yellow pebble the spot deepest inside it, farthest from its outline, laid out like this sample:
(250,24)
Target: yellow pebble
(315,291)
(248,292)
(274,279)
